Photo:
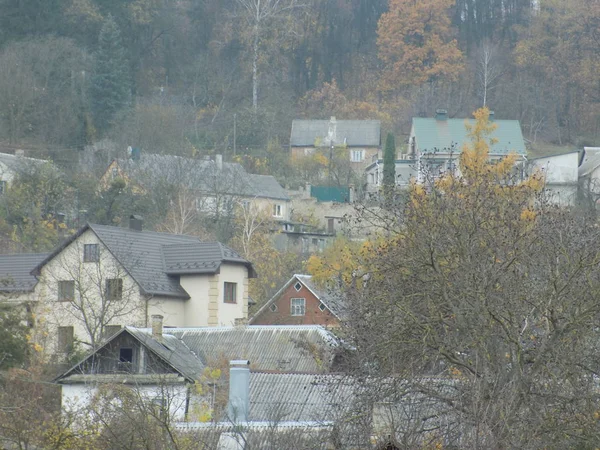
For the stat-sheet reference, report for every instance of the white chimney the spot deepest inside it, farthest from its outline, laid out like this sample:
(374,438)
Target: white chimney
(157,326)
(219,161)
(238,407)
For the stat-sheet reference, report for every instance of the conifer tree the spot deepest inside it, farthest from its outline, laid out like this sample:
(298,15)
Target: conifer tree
(389,166)
(111,89)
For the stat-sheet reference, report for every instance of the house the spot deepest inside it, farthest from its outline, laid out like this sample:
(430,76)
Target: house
(561,176)
(405,170)
(589,175)
(214,186)
(362,138)
(435,143)
(166,362)
(103,278)
(301,302)
(10,165)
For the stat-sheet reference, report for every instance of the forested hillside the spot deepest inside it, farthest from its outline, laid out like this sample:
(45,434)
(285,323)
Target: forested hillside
(179,76)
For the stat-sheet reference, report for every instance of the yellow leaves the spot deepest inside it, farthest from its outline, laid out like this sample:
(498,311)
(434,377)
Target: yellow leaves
(528,215)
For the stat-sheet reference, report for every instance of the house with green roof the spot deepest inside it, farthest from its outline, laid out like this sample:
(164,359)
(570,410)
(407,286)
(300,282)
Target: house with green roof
(436,142)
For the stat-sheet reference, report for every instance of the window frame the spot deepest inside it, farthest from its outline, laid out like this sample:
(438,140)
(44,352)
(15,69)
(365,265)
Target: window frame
(273,307)
(60,294)
(229,287)
(360,156)
(277,210)
(109,287)
(297,310)
(90,256)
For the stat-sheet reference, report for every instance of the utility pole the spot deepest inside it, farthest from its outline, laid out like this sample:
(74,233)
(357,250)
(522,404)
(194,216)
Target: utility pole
(234,134)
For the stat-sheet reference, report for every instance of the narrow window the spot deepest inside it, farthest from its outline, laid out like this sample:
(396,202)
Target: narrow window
(114,289)
(66,290)
(297,306)
(65,339)
(230,292)
(91,253)
(277,211)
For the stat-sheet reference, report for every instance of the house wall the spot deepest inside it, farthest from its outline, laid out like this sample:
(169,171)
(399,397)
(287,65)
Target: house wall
(76,397)
(6,174)
(196,309)
(172,309)
(268,205)
(282,316)
(90,281)
(229,312)
(358,166)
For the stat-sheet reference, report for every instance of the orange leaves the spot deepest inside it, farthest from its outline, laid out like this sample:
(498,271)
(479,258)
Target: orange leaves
(415,43)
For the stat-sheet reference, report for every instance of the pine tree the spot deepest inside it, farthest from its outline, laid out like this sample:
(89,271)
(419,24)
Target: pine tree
(110,88)
(389,166)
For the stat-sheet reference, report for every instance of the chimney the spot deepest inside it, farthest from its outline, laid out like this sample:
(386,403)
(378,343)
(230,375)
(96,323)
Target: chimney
(441,114)
(157,327)
(219,161)
(331,134)
(238,406)
(136,222)
(491,117)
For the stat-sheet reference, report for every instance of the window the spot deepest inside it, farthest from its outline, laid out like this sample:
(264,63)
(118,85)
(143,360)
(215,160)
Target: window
(298,306)
(273,307)
(230,292)
(114,289)
(298,286)
(91,253)
(277,210)
(2,187)
(126,355)
(357,155)
(66,290)
(322,306)
(65,339)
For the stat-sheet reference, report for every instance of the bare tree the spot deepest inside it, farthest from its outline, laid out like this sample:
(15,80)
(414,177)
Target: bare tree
(489,69)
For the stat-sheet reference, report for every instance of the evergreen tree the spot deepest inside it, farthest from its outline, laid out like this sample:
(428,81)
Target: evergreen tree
(389,166)
(111,90)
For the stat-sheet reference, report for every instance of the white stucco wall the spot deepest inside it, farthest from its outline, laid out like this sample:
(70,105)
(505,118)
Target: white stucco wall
(172,309)
(228,312)
(76,397)
(195,313)
(559,168)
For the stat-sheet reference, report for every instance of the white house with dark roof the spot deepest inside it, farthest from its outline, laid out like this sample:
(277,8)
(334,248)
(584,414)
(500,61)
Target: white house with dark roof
(103,278)
(362,138)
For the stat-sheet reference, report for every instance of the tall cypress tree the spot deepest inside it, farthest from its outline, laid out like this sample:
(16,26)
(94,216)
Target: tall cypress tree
(111,84)
(389,167)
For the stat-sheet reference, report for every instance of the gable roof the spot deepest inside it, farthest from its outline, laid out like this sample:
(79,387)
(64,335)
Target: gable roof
(202,175)
(441,135)
(15,271)
(142,255)
(334,302)
(350,132)
(171,350)
(267,347)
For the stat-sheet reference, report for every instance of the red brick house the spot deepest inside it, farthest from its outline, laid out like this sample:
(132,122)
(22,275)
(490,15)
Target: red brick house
(300,302)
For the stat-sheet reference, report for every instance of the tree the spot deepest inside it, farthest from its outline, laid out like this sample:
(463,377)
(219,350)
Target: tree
(110,88)
(496,297)
(488,70)
(14,348)
(415,43)
(389,166)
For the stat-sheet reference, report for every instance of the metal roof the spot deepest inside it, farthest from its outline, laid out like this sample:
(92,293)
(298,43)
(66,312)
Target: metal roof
(434,135)
(202,175)
(142,254)
(304,348)
(15,271)
(353,133)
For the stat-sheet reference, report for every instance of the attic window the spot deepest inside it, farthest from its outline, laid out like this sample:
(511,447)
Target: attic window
(273,307)
(126,355)
(298,286)
(322,306)
(91,253)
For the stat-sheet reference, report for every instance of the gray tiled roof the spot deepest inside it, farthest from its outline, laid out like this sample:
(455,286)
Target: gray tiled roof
(279,348)
(15,271)
(202,175)
(199,257)
(351,132)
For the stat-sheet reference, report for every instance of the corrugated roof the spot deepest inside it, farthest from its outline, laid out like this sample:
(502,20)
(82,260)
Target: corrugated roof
(15,271)
(202,175)
(275,348)
(442,135)
(350,132)
(200,257)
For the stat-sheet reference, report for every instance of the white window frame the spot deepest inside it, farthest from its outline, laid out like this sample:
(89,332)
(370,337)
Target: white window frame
(297,307)
(357,155)
(91,253)
(277,210)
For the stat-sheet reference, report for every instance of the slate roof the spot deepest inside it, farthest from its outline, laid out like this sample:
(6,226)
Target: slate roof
(200,257)
(141,254)
(334,302)
(15,271)
(202,175)
(273,347)
(353,133)
(439,135)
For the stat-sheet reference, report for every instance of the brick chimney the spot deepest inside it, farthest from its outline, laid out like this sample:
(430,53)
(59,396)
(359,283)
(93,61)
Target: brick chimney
(136,222)
(157,327)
